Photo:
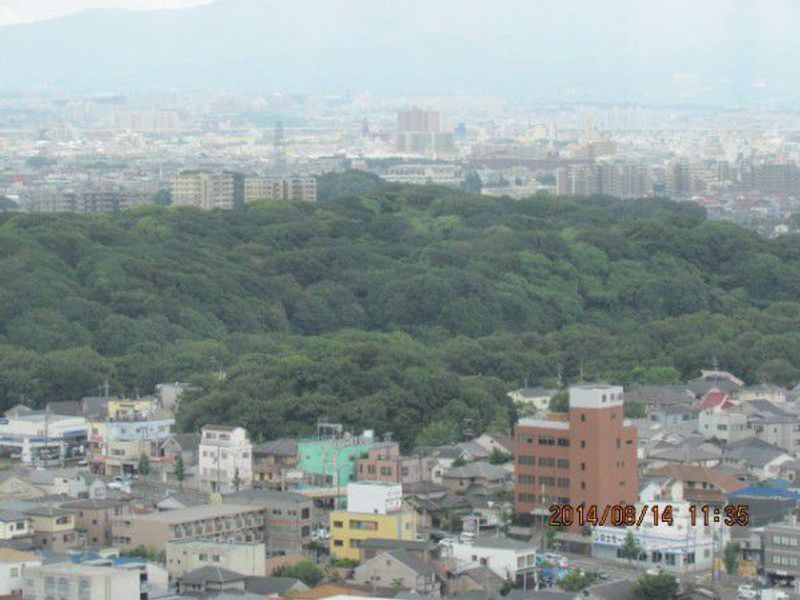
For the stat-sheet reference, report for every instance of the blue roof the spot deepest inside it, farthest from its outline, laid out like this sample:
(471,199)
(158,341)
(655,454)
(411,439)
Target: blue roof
(756,491)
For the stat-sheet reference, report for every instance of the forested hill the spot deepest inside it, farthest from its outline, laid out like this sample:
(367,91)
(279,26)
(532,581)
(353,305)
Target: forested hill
(412,309)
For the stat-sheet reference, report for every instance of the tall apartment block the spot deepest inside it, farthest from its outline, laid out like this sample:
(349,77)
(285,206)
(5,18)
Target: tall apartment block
(225,460)
(622,180)
(418,131)
(280,188)
(203,190)
(585,456)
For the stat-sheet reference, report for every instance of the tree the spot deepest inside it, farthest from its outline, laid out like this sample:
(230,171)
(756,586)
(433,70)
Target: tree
(459,461)
(577,580)
(631,548)
(237,480)
(472,183)
(730,557)
(634,409)
(560,402)
(305,571)
(550,536)
(663,586)
(180,470)
(143,466)
(498,457)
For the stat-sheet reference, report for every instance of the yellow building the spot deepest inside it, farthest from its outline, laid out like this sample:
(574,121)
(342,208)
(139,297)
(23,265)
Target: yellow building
(349,529)
(132,408)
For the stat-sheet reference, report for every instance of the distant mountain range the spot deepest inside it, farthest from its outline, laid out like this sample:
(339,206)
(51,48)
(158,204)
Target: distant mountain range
(720,51)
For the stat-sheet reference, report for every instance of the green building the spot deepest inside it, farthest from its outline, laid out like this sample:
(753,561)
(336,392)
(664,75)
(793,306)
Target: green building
(330,458)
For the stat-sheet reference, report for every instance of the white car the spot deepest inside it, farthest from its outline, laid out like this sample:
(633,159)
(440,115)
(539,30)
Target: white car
(746,592)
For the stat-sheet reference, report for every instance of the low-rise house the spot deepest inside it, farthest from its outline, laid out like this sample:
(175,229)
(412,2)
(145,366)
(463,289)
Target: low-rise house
(774,425)
(399,568)
(673,415)
(94,518)
(472,579)
(684,455)
(759,458)
(763,391)
(207,522)
(185,445)
(495,441)
(276,464)
(210,580)
(14,524)
(489,476)
(288,518)
(13,565)
(67,482)
(246,558)
(699,484)
(428,552)
(384,463)
(54,528)
(15,485)
(532,399)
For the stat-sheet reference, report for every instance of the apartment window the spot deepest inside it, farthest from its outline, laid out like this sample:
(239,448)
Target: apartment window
(203,557)
(305,513)
(619,443)
(215,557)
(526,479)
(583,485)
(562,463)
(545,461)
(583,443)
(544,480)
(338,543)
(563,442)
(563,482)
(525,459)
(547,441)
(583,417)
(583,466)
(526,497)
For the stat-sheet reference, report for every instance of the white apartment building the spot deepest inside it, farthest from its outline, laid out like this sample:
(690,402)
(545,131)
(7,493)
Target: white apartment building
(374,497)
(13,564)
(508,558)
(203,190)
(247,558)
(681,547)
(225,452)
(69,581)
(730,425)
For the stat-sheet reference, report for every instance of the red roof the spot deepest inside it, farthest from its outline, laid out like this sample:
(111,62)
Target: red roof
(716,398)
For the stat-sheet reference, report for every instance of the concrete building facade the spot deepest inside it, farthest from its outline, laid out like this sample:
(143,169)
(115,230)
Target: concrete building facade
(587,455)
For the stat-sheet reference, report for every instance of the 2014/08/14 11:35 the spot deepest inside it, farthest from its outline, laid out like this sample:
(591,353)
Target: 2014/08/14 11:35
(618,515)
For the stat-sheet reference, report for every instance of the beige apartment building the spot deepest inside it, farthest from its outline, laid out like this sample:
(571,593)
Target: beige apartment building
(221,522)
(69,581)
(247,558)
(95,516)
(54,528)
(280,188)
(203,190)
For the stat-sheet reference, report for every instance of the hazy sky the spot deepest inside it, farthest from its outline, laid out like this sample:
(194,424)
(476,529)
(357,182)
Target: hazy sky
(21,11)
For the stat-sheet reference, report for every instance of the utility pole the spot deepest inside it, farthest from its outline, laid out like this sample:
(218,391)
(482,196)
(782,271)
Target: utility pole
(218,490)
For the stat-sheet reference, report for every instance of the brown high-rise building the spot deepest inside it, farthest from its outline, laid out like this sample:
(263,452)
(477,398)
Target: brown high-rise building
(585,456)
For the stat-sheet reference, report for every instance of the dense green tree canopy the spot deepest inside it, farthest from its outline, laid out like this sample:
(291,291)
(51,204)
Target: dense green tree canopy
(409,309)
